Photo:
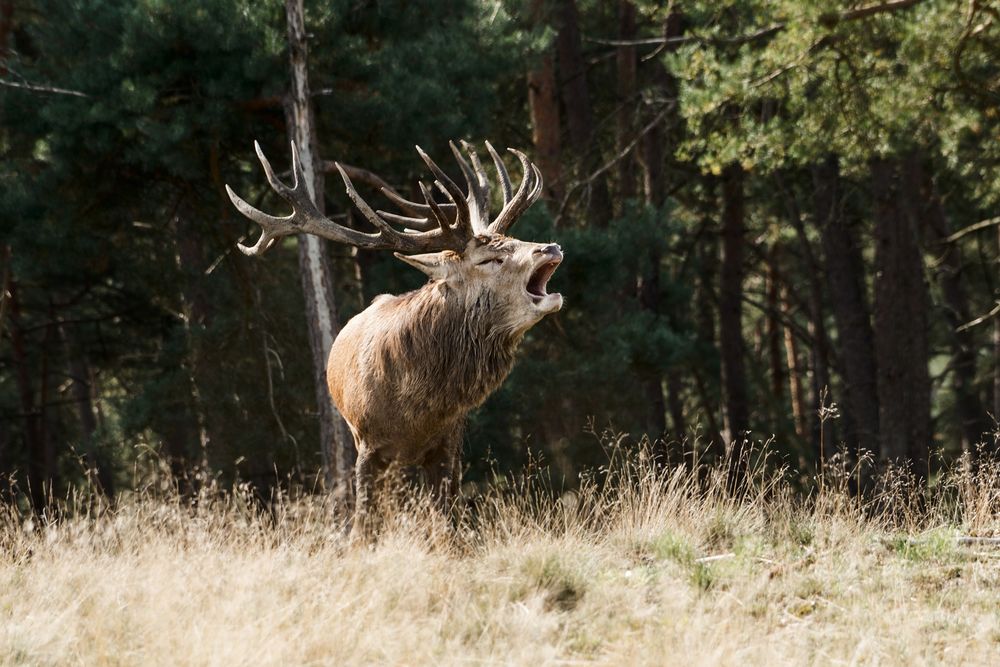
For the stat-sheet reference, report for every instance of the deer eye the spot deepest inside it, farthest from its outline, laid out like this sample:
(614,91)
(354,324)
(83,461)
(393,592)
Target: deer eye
(492,260)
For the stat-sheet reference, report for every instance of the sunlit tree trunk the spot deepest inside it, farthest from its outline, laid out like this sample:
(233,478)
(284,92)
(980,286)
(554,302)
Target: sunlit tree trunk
(336,443)
(774,335)
(795,371)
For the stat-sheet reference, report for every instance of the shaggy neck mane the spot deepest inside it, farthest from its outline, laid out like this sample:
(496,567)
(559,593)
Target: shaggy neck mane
(460,351)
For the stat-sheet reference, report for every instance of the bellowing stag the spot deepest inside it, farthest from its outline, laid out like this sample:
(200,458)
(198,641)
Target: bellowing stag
(406,371)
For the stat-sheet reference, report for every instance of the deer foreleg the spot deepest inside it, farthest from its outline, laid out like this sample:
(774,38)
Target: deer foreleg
(366,469)
(444,468)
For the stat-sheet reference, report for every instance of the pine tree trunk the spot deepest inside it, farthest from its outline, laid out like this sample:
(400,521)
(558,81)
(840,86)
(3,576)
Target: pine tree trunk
(996,355)
(706,300)
(928,209)
(579,112)
(901,345)
(33,433)
(648,288)
(336,443)
(844,270)
(795,373)
(626,68)
(543,105)
(775,330)
(6,30)
(819,349)
(731,343)
(80,377)
(651,159)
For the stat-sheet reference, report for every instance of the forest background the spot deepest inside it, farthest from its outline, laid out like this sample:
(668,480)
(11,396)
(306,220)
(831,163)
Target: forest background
(779,218)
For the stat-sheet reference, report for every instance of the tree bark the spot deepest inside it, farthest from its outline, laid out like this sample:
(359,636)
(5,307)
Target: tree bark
(579,112)
(651,155)
(336,443)
(927,209)
(704,316)
(731,343)
(776,355)
(98,470)
(819,348)
(197,315)
(651,152)
(844,270)
(795,372)
(996,354)
(33,432)
(626,67)
(901,345)
(648,289)
(6,29)
(543,105)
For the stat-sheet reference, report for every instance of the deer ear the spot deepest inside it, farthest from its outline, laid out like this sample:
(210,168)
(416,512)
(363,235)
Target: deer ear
(432,263)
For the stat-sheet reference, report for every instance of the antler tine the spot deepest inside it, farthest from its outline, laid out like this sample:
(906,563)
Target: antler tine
(502,174)
(271,226)
(527,193)
(484,181)
(306,218)
(464,215)
(478,198)
(363,206)
(539,185)
(412,206)
(439,215)
(421,224)
(457,196)
(275,183)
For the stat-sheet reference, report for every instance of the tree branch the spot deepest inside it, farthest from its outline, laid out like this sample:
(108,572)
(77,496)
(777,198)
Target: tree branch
(42,89)
(828,19)
(614,160)
(979,320)
(982,224)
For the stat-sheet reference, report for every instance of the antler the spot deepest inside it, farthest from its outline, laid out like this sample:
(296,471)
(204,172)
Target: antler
(438,226)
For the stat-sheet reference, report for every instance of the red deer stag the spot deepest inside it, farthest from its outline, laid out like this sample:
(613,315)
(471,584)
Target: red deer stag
(406,371)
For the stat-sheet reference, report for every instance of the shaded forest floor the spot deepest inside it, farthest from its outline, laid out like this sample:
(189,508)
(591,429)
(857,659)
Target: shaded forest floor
(631,569)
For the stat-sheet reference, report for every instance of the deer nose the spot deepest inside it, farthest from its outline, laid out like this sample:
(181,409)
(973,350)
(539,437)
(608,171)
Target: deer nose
(550,249)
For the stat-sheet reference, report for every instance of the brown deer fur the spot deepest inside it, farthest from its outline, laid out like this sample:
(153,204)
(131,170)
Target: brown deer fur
(406,371)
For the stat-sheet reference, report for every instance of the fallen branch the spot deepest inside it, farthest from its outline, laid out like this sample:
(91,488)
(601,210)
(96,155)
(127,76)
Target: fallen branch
(711,559)
(979,541)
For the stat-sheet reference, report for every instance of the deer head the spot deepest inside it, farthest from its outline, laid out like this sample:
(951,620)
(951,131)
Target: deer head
(455,242)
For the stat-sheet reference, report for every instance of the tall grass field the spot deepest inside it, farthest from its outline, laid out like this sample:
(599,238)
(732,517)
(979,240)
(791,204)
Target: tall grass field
(636,567)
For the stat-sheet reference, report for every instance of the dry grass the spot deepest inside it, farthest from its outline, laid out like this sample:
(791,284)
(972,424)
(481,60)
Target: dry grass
(631,570)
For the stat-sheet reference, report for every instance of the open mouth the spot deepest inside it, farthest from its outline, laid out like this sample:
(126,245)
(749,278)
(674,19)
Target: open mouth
(540,278)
